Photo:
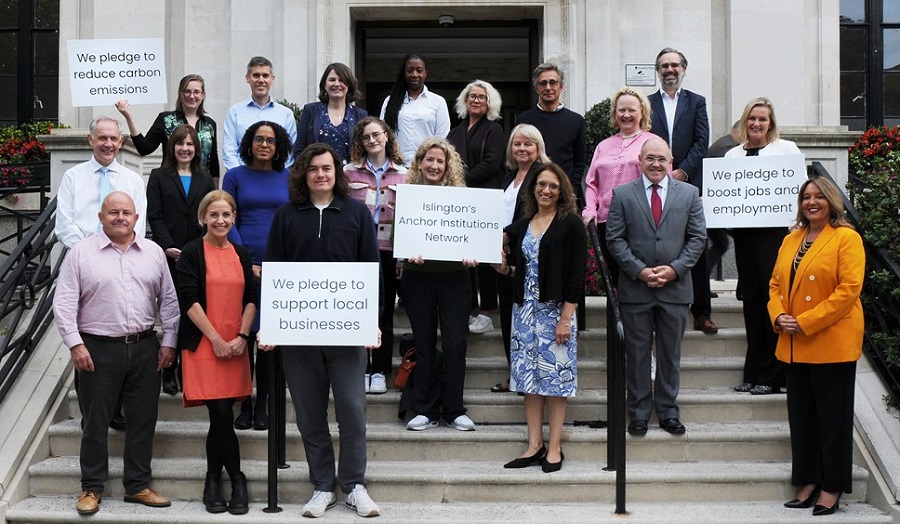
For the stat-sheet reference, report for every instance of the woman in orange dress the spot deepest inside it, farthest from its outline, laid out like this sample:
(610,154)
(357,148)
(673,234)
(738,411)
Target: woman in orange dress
(217,294)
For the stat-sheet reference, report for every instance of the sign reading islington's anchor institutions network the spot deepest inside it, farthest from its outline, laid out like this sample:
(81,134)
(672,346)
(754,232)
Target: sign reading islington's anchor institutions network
(448,223)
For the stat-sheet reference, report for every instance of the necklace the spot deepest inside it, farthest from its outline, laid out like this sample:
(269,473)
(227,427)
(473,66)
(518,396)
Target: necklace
(804,247)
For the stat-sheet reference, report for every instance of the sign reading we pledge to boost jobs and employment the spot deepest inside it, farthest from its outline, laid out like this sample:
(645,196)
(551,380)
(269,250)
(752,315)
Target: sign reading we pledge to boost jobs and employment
(319,303)
(753,191)
(104,71)
(448,223)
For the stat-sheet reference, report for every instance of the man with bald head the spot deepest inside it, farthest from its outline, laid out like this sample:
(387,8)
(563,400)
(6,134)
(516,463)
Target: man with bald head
(655,232)
(111,286)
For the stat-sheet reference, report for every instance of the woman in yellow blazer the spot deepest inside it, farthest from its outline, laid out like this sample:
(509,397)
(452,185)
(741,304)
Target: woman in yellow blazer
(815,309)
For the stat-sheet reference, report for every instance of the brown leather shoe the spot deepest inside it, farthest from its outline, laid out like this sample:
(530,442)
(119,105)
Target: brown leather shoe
(148,497)
(88,503)
(706,325)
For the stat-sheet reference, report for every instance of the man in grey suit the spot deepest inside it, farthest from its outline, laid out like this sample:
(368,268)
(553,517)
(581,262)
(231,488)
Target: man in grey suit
(656,232)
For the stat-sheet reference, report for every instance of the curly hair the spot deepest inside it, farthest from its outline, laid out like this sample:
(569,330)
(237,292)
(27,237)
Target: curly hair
(170,163)
(566,202)
(494,102)
(282,144)
(298,188)
(358,148)
(646,112)
(346,75)
(182,85)
(399,89)
(454,173)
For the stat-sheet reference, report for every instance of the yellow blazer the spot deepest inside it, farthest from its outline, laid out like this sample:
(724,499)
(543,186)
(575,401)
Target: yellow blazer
(824,297)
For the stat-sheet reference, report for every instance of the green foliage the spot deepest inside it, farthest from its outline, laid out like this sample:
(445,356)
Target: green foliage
(596,126)
(293,107)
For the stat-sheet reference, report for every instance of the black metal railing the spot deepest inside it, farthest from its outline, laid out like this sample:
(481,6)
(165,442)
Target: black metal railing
(27,282)
(39,184)
(615,376)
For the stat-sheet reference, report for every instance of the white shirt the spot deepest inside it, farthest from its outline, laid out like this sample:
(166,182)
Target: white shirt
(662,191)
(670,105)
(78,200)
(419,119)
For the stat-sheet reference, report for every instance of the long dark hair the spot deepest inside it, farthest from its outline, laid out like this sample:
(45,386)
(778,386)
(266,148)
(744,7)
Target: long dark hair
(297,187)
(566,202)
(170,163)
(398,91)
(282,144)
(358,148)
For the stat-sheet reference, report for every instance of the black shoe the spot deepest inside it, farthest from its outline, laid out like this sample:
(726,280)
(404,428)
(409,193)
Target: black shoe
(550,467)
(244,420)
(261,421)
(524,462)
(240,500)
(765,390)
(672,425)
(212,499)
(803,504)
(169,382)
(637,428)
(118,422)
(818,510)
(744,387)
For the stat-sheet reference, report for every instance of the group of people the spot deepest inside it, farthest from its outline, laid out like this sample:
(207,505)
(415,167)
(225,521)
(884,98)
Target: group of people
(325,191)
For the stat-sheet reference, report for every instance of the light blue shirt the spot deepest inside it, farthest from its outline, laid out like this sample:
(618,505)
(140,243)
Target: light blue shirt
(243,115)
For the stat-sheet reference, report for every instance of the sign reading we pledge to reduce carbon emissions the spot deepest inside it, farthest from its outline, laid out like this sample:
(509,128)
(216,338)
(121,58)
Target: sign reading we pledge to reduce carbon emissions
(104,71)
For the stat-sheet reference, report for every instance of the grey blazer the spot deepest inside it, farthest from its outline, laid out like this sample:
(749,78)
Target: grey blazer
(635,242)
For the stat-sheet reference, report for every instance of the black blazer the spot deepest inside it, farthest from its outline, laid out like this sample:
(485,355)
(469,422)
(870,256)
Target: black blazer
(690,137)
(561,260)
(191,288)
(535,168)
(482,150)
(172,214)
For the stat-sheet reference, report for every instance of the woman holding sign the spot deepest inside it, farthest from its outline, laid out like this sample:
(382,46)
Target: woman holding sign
(437,290)
(815,309)
(755,251)
(217,293)
(546,255)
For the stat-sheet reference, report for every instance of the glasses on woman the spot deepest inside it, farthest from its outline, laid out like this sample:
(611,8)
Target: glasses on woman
(195,93)
(374,137)
(259,140)
(476,98)
(552,186)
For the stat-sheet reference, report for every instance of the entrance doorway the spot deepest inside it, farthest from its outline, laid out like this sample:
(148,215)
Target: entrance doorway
(501,51)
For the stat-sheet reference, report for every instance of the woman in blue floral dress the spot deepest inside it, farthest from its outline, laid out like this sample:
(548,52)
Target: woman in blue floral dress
(546,253)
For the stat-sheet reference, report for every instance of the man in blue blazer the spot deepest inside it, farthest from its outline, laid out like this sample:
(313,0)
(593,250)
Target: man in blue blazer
(679,117)
(655,232)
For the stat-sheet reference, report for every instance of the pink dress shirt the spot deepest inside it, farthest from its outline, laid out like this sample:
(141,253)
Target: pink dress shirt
(613,164)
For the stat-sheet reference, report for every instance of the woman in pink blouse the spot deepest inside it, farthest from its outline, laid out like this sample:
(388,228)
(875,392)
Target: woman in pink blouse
(615,160)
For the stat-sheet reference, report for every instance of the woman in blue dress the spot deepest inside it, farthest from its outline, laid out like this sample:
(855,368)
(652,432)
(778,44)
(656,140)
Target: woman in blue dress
(545,253)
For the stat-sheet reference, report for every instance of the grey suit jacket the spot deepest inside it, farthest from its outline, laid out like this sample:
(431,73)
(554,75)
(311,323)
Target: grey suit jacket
(635,242)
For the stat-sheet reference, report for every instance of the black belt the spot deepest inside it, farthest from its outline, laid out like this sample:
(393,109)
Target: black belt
(131,338)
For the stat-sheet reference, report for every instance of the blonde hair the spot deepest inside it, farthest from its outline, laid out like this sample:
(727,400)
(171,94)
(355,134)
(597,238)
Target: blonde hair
(216,195)
(531,133)
(644,102)
(772,134)
(454,172)
(494,102)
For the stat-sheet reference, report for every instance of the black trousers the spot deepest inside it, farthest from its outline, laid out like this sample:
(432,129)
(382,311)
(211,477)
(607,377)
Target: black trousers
(505,286)
(129,370)
(702,305)
(484,285)
(820,413)
(755,251)
(381,357)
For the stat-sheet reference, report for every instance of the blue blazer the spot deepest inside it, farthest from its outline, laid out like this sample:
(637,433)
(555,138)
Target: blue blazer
(690,137)
(311,124)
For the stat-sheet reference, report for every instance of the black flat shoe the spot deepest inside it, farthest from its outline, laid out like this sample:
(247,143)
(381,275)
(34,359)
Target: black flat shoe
(765,390)
(637,428)
(261,422)
(744,387)
(118,422)
(818,511)
(244,420)
(803,504)
(524,462)
(550,467)
(672,425)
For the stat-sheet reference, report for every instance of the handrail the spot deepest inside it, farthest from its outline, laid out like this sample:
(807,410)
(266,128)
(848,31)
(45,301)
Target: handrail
(615,358)
(27,283)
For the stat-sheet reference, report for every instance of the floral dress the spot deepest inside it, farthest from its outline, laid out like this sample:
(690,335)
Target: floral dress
(539,365)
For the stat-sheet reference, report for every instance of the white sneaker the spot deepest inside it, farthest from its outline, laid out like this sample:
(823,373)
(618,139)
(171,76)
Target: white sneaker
(481,324)
(463,423)
(368,382)
(421,423)
(360,500)
(320,501)
(377,384)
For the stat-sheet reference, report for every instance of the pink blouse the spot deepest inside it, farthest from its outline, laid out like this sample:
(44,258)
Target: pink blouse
(614,164)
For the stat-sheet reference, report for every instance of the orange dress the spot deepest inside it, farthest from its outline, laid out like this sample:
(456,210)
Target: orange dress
(206,376)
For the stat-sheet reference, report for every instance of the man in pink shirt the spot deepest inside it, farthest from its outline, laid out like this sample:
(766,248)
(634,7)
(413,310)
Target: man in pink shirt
(110,288)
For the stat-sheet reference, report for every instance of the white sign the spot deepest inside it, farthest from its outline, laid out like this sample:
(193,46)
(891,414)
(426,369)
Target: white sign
(319,303)
(104,71)
(753,191)
(448,223)
(640,75)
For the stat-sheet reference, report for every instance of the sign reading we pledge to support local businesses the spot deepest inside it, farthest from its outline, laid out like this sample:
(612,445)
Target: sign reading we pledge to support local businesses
(104,71)
(753,191)
(448,223)
(319,303)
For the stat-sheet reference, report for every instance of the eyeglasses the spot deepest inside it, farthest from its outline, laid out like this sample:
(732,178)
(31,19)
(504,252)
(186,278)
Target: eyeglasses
(477,98)
(551,83)
(196,93)
(672,65)
(374,137)
(259,140)
(552,186)
(656,159)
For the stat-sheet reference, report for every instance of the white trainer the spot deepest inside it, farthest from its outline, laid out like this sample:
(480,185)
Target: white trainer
(320,501)
(421,423)
(368,382)
(360,500)
(481,324)
(377,384)
(463,423)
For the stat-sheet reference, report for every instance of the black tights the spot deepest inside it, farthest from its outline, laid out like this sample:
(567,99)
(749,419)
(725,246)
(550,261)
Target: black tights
(222,448)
